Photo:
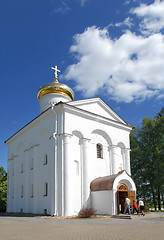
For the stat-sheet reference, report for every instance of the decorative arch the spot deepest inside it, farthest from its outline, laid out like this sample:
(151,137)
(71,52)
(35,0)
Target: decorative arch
(78,134)
(126,183)
(104,135)
(122,187)
(121,145)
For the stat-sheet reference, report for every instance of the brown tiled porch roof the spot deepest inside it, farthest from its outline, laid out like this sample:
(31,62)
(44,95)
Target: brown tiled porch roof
(104,183)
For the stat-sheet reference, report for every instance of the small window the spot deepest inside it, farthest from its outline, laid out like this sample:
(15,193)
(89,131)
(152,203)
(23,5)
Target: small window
(21,191)
(32,164)
(13,168)
(99,150)
(45,189)
(32,190)
(45,211)
(21,167)
(45,159)
(12,191)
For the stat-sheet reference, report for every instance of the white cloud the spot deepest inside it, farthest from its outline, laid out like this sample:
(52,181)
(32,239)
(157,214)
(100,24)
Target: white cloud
(83,2)
(60,7)
(127,2)
(152,16)
(127,22)
(126,69)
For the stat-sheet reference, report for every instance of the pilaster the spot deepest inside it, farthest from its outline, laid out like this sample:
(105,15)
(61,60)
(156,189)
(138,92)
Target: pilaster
(27,187)
(127,160)
(67,178)
(34,151)
(85,173)
(114,160)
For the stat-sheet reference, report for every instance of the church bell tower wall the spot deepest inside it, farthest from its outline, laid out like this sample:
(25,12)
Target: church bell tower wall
(51,99)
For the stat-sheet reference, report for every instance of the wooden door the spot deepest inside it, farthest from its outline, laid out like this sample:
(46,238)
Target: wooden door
(132,196)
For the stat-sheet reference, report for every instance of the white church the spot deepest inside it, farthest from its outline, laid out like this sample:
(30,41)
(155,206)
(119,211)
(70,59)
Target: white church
(75,154)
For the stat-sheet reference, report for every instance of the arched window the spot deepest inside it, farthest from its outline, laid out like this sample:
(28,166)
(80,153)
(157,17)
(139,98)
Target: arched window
(21,167)
(21,191)
(45,159)
(32,190)
(45,189)
(99,150)
(31,164)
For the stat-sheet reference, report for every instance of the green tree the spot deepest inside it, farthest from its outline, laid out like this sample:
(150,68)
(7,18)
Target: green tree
(147,158)
(3,189)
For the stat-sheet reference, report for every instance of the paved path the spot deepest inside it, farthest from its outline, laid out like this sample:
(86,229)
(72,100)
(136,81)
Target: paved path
(41,228)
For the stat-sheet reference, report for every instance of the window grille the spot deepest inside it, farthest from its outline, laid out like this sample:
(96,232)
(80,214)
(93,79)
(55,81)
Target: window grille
(99,150)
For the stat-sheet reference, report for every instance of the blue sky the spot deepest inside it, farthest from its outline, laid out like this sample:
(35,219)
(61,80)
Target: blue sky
(109,49)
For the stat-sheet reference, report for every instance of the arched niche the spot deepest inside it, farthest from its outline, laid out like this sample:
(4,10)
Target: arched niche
(78,134)
(99,136)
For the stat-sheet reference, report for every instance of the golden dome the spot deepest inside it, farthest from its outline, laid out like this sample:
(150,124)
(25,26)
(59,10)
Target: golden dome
(55,87)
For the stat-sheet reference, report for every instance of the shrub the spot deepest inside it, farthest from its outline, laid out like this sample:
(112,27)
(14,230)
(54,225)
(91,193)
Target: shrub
(87,212)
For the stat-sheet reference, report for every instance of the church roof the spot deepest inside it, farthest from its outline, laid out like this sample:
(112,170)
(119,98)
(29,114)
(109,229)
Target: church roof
(79,108)
(104,183)
(55,87)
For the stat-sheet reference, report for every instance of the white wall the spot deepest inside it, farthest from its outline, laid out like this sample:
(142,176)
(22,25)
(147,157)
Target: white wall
(98,132)
(102,202)
(32,143)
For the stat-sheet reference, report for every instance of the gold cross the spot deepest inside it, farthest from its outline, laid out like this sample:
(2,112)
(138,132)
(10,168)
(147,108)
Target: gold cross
(55,72)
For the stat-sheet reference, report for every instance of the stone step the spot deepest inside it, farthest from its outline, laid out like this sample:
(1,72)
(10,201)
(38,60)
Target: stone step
(122,216)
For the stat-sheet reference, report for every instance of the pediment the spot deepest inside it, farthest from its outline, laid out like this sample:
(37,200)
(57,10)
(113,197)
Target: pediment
(98,107)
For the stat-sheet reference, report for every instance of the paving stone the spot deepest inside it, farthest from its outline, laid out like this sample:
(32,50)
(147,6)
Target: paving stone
(149,227)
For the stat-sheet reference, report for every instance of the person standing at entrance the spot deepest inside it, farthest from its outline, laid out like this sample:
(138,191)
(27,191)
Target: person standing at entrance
(127,205)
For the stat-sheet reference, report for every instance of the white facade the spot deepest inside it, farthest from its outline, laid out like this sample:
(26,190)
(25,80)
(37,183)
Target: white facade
(53,159)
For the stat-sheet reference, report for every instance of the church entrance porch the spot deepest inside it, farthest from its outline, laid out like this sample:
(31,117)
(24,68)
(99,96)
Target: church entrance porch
(112,191)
